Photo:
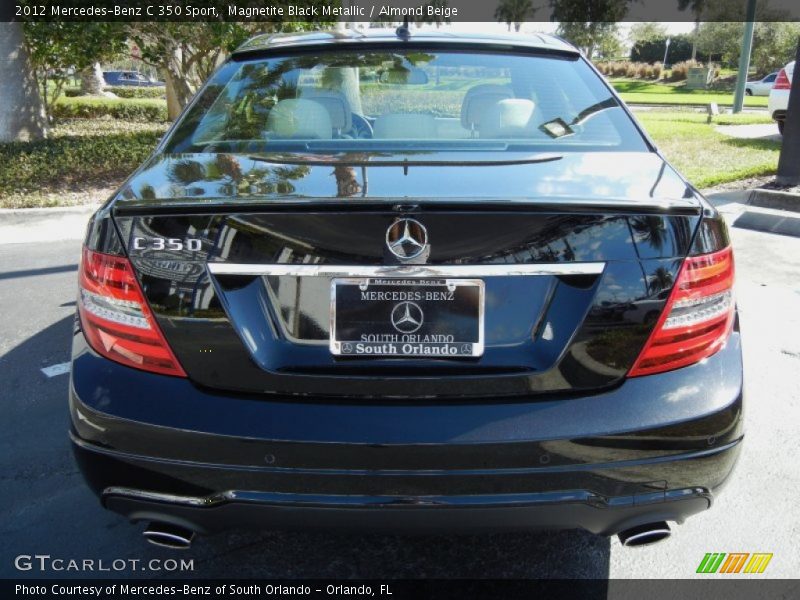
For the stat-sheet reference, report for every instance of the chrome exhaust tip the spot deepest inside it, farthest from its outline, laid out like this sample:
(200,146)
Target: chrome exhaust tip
(170,536)
(649,533)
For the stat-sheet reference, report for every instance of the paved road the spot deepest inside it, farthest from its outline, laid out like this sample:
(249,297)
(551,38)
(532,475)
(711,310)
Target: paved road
(48,510)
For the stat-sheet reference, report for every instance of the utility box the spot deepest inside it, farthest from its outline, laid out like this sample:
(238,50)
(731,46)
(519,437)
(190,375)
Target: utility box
(698,78)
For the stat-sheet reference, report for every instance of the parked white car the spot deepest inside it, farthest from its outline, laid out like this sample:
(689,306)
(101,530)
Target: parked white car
(779,95)
(762,86)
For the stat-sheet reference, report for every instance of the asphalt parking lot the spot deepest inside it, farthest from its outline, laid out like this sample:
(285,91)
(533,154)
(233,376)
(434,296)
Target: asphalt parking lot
(48,510)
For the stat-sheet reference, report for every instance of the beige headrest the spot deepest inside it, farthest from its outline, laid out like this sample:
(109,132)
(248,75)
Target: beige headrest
(508,118)
(477,101)
(297,118)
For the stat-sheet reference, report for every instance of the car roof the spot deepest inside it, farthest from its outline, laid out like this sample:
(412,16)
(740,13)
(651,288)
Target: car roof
(350,37)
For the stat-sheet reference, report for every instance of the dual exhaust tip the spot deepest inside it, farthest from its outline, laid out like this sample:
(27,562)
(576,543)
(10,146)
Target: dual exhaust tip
(170,536)
(641,535)
(175,537)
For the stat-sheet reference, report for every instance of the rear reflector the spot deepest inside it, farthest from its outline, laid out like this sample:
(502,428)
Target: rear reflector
(116,319)
(782,81)
(697,318)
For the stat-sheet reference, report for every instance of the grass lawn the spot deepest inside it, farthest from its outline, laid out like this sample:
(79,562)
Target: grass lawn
(703,155)
(649,92)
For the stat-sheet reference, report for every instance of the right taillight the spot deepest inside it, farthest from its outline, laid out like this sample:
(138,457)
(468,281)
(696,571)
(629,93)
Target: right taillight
(697,318)
(782,81)
(116,318)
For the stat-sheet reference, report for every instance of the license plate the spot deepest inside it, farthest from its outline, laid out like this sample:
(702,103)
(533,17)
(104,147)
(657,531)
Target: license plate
(433,318)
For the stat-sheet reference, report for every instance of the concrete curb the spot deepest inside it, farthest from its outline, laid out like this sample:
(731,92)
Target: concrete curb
(30,225)
(774,199)
(740,212)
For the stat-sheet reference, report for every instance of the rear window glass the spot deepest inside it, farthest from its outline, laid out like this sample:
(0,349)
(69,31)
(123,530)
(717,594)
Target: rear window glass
(421,100)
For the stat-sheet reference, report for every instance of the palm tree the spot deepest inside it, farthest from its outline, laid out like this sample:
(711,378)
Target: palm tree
(22,114)
(514,12)
(650,230)
(661,279)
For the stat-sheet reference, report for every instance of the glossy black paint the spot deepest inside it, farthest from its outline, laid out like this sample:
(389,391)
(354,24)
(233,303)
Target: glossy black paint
(647,443)
(544,429)
(269,335)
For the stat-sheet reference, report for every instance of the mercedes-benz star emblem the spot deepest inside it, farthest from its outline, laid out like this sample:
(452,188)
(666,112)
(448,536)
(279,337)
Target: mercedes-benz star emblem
(406,238)
(407,317)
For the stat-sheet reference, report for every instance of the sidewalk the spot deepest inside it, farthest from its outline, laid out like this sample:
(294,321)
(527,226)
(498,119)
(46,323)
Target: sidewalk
(31,225)
(767,131)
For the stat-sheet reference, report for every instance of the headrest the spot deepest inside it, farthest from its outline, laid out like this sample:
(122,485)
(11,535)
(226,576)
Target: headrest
(335,102)
(405,126)
(508,118)
(298,118)
(477,101)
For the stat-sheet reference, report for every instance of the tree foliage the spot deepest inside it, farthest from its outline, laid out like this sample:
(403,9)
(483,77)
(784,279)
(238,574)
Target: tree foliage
(646,32)
(594,32)
(773,43)
(514,12)
(58,49)
(188,53)
(652,50)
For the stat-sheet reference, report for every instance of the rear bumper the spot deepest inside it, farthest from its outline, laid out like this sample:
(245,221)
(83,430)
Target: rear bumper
(778,103)
(655,448)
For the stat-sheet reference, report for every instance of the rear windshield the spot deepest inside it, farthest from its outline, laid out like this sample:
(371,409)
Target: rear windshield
(411,100)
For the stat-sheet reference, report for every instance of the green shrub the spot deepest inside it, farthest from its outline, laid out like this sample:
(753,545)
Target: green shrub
(135,109)
(137,92)
(122,91)
(79,154)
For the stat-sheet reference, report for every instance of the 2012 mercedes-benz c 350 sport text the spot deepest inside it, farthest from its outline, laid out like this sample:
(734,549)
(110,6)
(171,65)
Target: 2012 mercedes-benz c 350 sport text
(394,281)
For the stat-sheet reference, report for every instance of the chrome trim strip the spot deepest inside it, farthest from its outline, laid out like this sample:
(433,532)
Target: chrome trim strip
(137,494)
(356,501)
(490,270)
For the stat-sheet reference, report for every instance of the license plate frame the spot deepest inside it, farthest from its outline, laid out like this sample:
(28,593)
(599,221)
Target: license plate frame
(410,344)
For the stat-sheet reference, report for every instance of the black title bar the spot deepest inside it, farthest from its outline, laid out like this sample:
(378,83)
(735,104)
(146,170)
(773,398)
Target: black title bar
(427,11)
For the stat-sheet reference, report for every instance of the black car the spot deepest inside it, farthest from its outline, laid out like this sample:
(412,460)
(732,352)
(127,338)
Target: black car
(129,78)
(406,282)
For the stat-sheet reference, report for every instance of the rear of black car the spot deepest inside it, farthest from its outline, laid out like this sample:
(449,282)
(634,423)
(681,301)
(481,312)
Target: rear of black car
(499,310)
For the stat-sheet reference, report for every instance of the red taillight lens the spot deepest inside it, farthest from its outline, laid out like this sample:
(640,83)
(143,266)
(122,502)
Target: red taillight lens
(116,319)
(782,81)
(698,316)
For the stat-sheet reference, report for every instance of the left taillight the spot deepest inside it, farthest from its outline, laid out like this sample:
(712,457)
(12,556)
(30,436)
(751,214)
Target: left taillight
(782,81)
(697,318)
(116,318)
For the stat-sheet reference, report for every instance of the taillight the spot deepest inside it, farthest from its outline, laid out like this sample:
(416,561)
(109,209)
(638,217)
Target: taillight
(116,319)
(697,318)
(782,81)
